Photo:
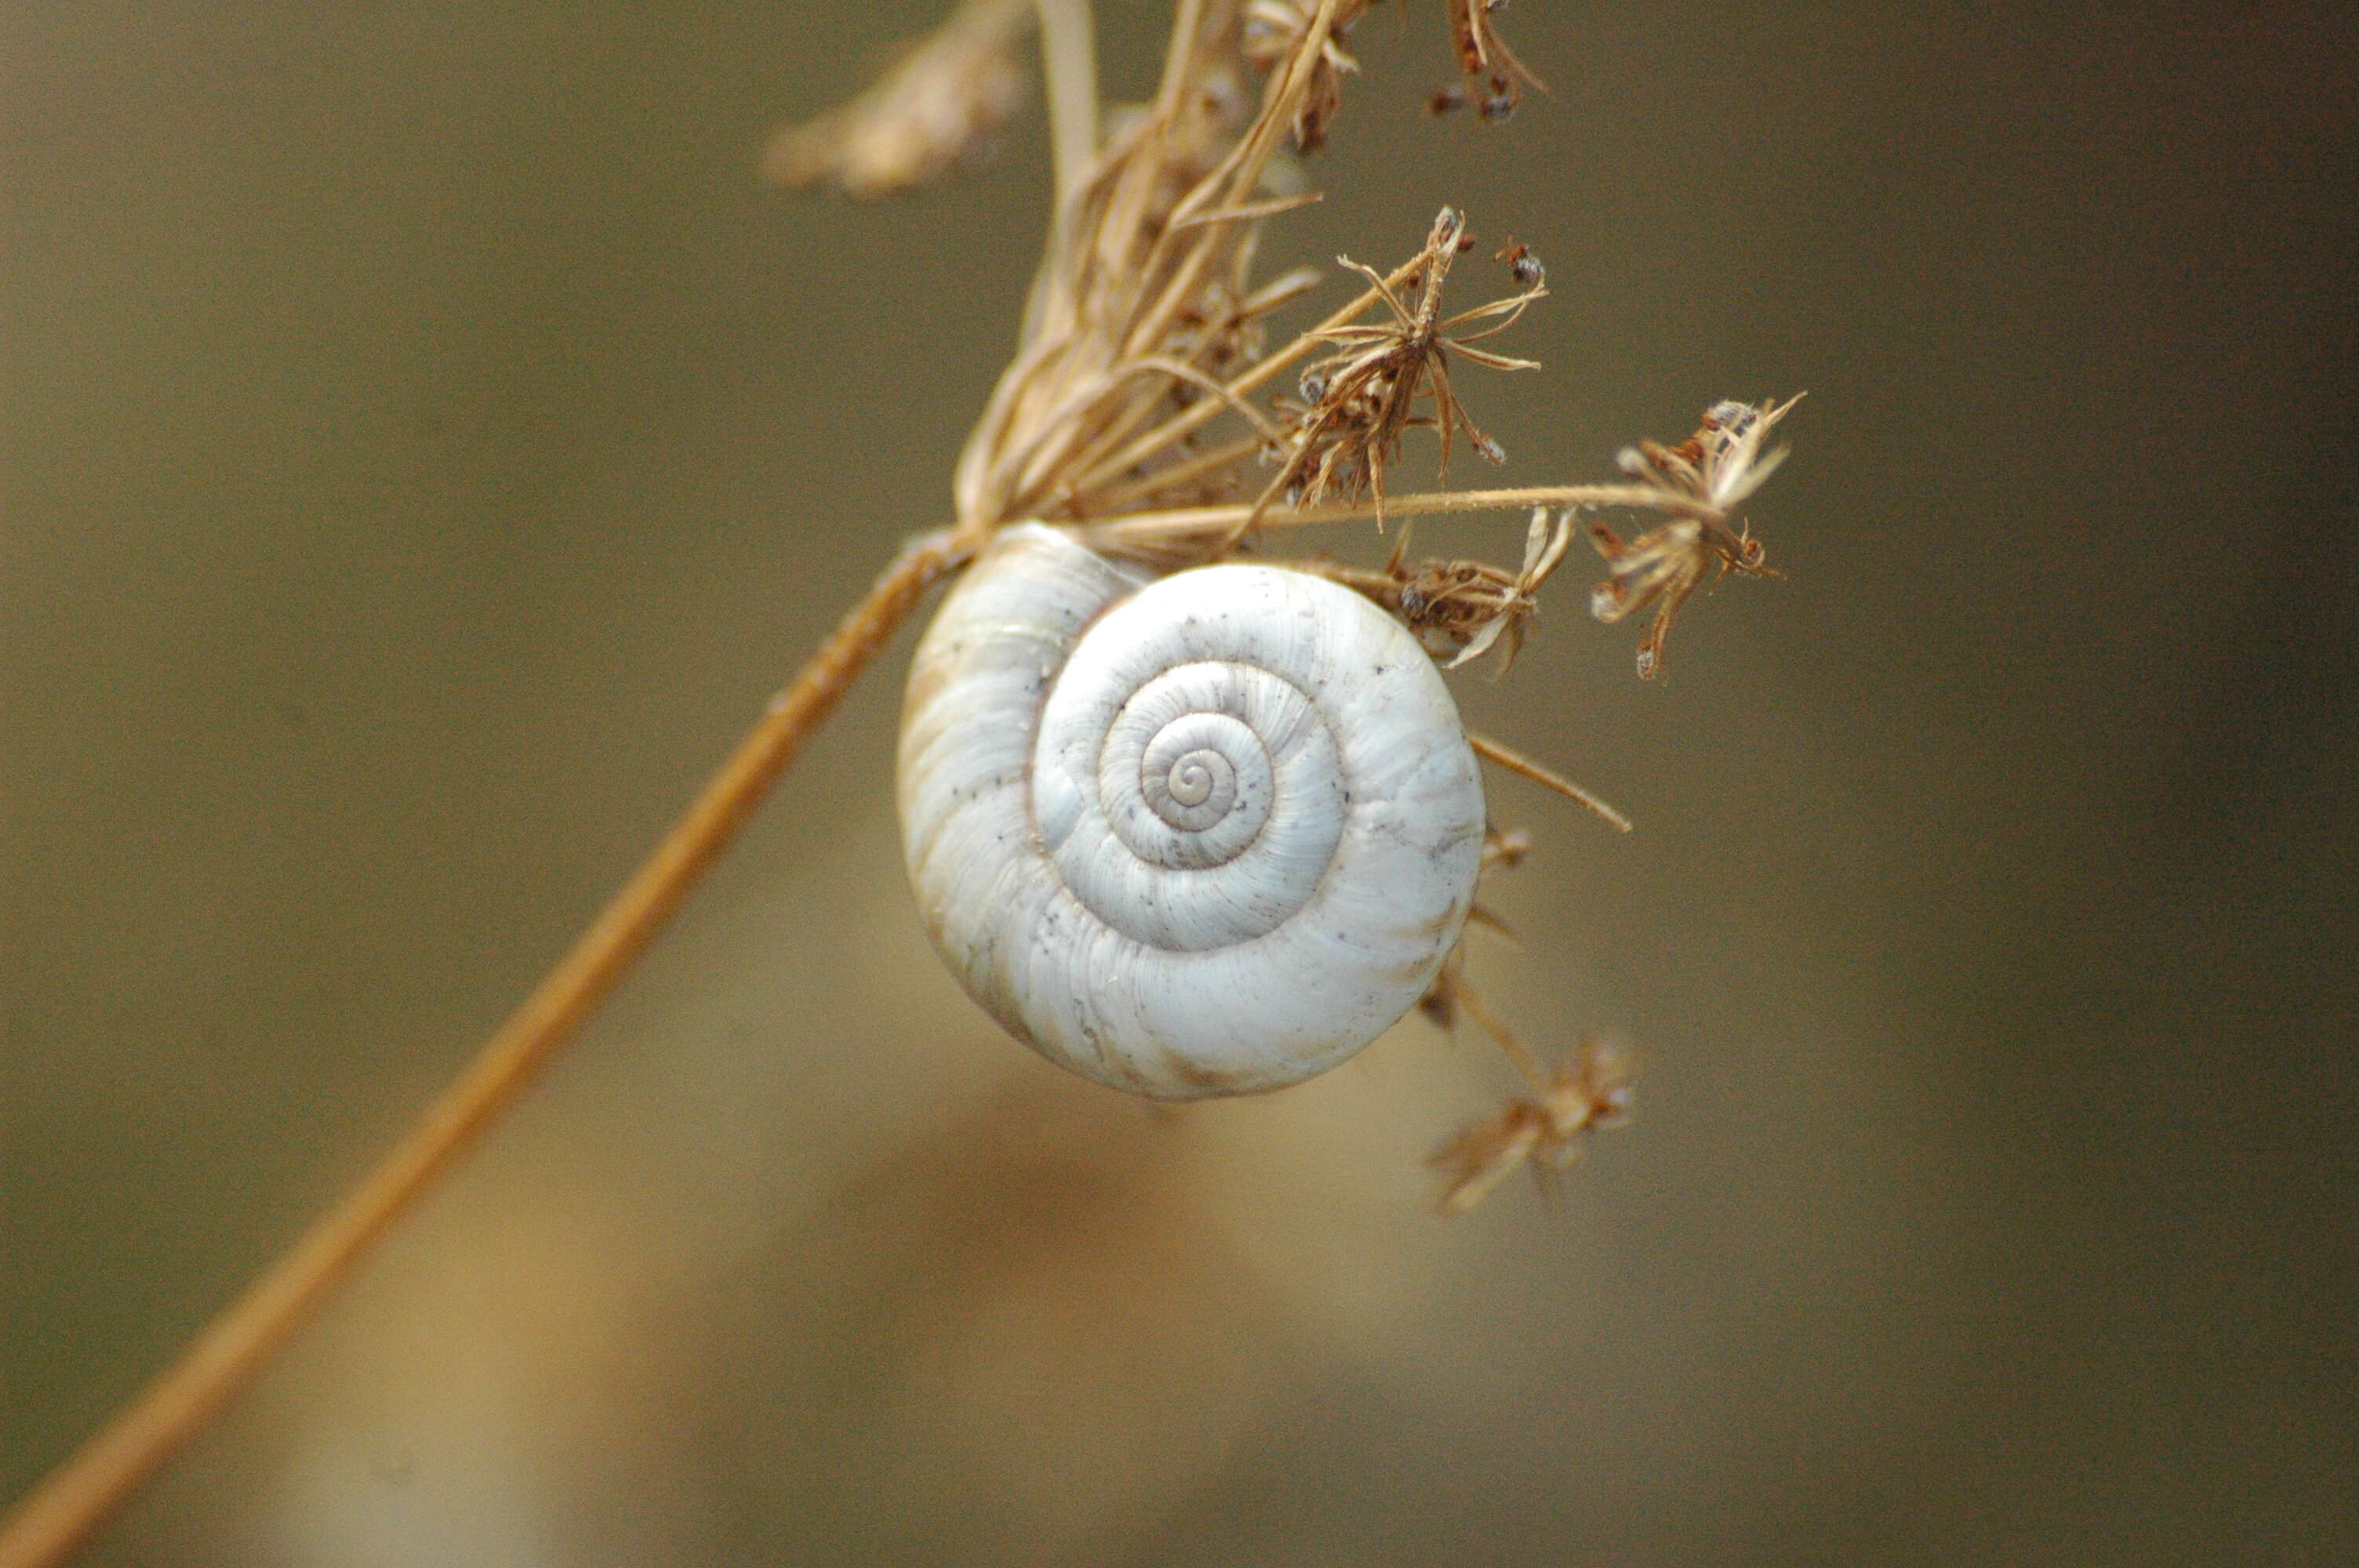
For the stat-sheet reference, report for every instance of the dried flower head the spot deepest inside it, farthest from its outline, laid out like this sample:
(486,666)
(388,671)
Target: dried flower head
(1522,266)
(1588,1089)
(1716,470)
(1274,30)
(1369,390)
(1478,609)
(1495,78)
(943,106)
(1463,607)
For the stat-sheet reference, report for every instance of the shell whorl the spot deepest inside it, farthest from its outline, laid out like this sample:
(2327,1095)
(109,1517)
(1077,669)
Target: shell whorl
(1195,835)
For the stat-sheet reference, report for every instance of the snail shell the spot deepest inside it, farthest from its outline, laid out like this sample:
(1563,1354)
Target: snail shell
(1200,835)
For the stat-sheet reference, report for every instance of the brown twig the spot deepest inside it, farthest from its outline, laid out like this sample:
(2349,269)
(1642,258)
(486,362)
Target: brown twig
(1218,522)
(1515,761)
(78,1497)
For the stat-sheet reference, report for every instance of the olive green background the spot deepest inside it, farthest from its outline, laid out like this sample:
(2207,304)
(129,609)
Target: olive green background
(427,446)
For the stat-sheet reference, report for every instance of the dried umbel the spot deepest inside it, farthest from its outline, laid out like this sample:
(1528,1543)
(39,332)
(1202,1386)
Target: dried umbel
(1363,398)
(1193,828)
(1719,467)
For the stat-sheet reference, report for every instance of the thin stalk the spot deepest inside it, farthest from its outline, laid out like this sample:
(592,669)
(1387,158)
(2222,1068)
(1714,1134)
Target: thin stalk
(1090,457)
(1043,456)
(78,1497)
(1210,461)
(1159,527)
(1198,414)
(1238,172)
(1187,17)
(1497,1027)
(1515,761)
(1069,60)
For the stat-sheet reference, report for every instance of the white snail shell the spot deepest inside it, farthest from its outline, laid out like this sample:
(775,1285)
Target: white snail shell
(1197,836)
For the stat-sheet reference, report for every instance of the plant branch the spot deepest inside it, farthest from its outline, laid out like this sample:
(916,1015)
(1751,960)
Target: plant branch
(1068,59)
(1515,761)
(74,1499)
(1210,522)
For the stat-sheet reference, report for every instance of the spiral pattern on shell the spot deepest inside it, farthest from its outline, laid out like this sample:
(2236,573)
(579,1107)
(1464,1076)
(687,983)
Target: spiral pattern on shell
(1197,836)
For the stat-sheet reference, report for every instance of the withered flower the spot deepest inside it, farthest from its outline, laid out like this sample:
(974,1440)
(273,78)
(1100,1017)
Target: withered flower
(1715,471)
(1464,608)
(1274,30)
(941,106)
(1490,605)
(1590,1088)
(1365,395)
(1495,78)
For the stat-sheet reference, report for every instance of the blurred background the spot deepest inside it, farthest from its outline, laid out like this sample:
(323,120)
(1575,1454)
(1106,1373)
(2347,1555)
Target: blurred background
(428,445)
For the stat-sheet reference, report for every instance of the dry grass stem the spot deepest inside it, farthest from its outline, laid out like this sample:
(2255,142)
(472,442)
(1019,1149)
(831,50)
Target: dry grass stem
(1515,763)
(76,1498)
(1068,52)
(1452,993)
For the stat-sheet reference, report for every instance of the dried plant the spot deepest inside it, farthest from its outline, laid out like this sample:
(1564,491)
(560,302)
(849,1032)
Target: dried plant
(1588,1089)
(1273,30)
(1147,337)
(939,107)
(1495,79)
(1144,329)
(1458,607)
(1719,467)
(1364,397)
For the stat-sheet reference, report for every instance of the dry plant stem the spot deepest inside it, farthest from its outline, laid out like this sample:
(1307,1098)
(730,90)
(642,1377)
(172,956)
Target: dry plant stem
(1196,415)
(1234,179)
(1220,521)
(1212,461)
(1515,761)
(1497,1027)
(1069,60)
(1090,457)
(79,1495)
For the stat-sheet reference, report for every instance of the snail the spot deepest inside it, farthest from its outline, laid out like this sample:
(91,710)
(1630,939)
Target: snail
(1196,835)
